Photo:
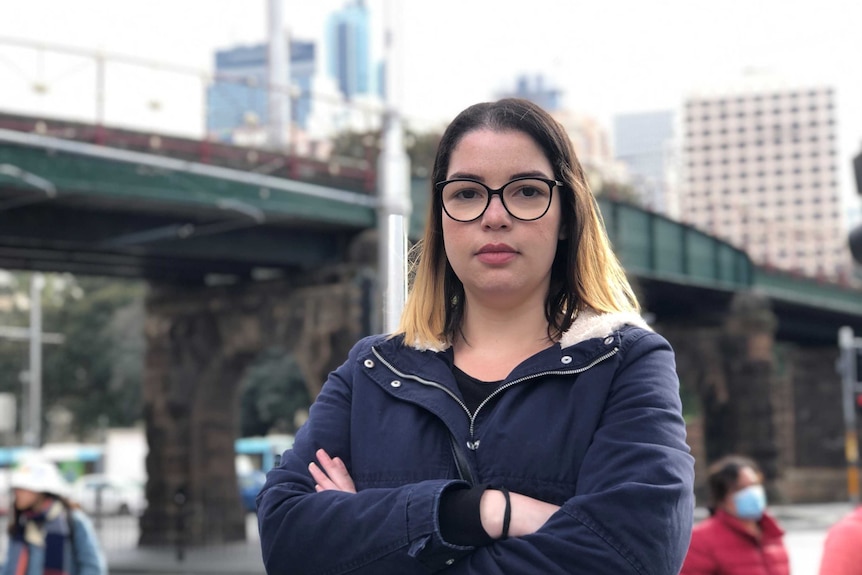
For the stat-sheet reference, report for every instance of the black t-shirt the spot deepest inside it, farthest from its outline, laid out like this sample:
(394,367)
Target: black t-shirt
(460,522)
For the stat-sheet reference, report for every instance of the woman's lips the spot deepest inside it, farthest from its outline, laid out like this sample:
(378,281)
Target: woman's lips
(496,254)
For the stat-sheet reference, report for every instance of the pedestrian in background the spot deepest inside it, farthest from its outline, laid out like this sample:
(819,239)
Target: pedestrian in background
(842,551)
(522,419)
(740,537)
(48,535)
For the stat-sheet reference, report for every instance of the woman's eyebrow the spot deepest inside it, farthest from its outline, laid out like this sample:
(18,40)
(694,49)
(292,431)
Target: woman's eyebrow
(527,174)
(467,175)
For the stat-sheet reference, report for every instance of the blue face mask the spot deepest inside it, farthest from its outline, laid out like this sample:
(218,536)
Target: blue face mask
(750,502)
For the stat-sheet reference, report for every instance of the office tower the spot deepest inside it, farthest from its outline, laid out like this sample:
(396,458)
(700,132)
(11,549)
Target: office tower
(348,39)
(644,143)
(760,170)
(237,98)
(535,89)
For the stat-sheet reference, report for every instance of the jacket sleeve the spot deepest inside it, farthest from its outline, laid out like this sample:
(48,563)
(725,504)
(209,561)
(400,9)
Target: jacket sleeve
(375,531)
(842,553)
(634,505)
(88,554)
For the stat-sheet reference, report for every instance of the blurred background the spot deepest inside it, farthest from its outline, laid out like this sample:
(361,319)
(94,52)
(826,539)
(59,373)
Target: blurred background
(191,194)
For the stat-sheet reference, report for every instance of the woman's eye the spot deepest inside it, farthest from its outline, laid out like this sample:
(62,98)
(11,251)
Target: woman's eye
(467,194)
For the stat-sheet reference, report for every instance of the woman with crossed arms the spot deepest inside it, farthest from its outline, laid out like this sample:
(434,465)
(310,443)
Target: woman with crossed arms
(522,419)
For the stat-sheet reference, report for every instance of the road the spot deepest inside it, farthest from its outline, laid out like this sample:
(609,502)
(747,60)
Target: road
(805,548)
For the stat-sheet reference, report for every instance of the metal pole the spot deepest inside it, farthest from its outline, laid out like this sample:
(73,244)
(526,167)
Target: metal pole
(279,78)
(37,282)
(847,362)
(393,176)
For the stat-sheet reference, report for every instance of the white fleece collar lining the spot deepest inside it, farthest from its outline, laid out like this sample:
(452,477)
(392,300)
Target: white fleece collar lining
(590,324)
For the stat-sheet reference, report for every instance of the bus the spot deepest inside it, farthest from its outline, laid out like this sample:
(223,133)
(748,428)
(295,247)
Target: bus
(73,459)
(261,453)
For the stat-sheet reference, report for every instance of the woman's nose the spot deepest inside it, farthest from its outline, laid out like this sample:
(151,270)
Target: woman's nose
(496,213)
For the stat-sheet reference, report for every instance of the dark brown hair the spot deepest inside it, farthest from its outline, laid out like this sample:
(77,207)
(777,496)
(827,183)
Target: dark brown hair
(585,272)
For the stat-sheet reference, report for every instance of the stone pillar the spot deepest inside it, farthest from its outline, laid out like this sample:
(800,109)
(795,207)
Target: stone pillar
(748,344)
(726,366)
(197,349)
(200,341)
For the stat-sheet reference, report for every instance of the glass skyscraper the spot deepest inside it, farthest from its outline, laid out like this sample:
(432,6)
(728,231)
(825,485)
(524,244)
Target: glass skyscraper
(348,41)
(239,90)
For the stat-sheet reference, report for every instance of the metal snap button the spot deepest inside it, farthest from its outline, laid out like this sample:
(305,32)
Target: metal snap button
(609,340)
(369,363)
(567,359)
(395,383)
(449,561)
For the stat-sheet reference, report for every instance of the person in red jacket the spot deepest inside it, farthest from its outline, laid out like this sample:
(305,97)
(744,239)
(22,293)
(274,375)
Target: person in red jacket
(740,537)
(842,552)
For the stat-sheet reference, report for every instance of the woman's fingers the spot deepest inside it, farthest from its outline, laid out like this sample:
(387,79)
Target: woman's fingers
(331,473)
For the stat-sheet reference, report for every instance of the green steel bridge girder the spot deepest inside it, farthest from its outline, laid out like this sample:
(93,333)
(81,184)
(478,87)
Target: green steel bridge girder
(142,184)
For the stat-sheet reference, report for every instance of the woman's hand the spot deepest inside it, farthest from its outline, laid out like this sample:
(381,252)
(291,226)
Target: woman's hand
(331,474)
(527,514)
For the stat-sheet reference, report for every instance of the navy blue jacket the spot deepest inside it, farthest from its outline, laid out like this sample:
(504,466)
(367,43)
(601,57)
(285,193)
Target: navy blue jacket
(592,424)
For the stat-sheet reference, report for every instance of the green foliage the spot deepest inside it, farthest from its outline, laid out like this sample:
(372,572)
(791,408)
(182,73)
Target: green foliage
(96,373)
(273,392)
(365,146)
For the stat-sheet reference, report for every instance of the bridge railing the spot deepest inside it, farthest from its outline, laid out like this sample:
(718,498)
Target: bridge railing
(357,175)
(652,245)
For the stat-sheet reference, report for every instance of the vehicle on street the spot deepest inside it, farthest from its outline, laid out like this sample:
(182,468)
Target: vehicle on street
(250,484)
(102,494)
(5,493)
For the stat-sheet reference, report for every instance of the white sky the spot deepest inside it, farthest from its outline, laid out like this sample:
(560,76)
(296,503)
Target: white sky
(608,56)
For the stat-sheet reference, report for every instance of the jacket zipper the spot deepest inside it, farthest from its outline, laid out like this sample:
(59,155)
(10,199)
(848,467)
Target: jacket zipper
(474,445)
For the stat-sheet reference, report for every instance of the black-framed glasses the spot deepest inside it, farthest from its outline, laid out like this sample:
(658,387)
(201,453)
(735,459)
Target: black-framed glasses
(526,199)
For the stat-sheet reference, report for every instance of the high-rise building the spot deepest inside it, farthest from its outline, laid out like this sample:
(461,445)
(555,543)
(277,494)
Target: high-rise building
(348,39)
(644,142)
(238,96)
(760,170)
(537,90)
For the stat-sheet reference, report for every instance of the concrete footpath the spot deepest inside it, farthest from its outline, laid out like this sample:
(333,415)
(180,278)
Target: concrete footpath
(228,559)
(244,558)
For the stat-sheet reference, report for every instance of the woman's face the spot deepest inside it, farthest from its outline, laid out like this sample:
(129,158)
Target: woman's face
(25,499)
(501,260)
(747,477)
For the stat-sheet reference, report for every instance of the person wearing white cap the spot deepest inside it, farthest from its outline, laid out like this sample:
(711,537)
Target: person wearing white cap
(48,534)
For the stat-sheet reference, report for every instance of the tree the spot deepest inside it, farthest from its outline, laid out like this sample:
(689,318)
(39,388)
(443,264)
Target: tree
(365,146)
(96,373)
(274,392)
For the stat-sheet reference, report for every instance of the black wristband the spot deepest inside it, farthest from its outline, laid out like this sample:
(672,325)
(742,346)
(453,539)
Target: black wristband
(460,516)
(507,514)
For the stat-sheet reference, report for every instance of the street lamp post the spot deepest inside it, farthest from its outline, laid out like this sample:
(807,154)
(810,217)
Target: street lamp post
(393,213)
(37,283)
(278,68)
(848,345)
